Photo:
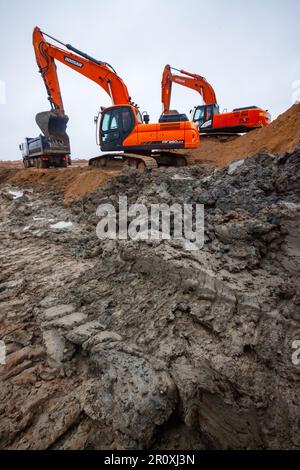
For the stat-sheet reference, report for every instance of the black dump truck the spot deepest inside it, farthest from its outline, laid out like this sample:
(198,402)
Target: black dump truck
(52,149)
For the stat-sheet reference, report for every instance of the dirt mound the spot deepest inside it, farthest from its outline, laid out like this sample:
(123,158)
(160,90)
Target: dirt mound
(282,135)
(19,164)
(73,182)
(11,164)
(87,181)
(122,344)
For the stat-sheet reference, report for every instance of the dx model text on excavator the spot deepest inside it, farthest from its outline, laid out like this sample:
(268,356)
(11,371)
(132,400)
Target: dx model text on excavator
(122,129)
(207,116)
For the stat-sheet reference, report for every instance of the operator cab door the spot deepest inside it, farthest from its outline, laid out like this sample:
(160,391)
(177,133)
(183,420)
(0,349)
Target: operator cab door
(203,115)
(116,125)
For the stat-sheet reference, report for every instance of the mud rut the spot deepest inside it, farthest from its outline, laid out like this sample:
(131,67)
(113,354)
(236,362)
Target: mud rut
(35,410)
(124,345)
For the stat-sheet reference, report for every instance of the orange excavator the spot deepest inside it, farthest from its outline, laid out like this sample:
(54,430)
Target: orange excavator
(207,116)
(121,128)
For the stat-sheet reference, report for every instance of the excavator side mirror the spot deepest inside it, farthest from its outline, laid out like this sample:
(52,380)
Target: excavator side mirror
(146,118)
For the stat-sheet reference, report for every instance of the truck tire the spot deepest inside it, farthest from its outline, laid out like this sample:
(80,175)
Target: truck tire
(43,163)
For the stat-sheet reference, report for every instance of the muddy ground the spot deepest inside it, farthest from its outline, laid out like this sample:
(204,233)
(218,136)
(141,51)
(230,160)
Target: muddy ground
(119,344)
(125,344)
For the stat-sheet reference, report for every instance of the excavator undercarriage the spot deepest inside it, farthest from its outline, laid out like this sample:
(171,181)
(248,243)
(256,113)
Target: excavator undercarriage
(141,162)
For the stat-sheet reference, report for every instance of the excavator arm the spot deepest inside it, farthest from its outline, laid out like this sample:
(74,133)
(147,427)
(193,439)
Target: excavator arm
(193,81)
(97,71)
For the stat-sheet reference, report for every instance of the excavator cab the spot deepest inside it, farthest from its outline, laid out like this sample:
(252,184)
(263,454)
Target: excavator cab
(116,124)
(203,115)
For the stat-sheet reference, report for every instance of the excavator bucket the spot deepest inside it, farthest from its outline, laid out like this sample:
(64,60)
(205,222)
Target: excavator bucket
(53,125)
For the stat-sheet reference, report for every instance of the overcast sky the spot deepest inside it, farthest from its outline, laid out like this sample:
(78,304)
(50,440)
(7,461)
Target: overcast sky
(248,51)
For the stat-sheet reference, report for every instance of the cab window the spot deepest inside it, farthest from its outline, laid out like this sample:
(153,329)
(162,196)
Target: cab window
(105,123)
(199,114)
(139,116)
(208,114)
(126,120)
(110,121)
(113,123)
(216,109)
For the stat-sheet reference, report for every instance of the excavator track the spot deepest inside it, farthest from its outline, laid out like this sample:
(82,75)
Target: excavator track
(142,162)
(139,162)
(190,160)
(165,158)
(220,137)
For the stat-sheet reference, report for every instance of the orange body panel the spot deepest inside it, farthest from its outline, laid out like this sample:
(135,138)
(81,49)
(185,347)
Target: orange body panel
(145,134)
(253,117)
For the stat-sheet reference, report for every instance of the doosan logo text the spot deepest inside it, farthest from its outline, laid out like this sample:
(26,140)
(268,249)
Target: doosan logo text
(73,61)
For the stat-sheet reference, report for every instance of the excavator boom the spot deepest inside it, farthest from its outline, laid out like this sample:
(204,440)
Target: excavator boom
(207,116)
(193,81)
(99,72)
